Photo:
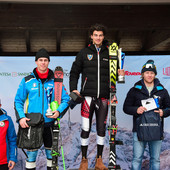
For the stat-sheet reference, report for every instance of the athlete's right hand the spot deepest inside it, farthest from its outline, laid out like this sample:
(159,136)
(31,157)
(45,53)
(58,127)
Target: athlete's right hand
(23,122)
(121,72)
(11,165)
(77,92)
(141,109)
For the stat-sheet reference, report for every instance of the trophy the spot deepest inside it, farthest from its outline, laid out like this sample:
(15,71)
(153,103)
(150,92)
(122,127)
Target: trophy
(157,101)
(49,95)
(121,57)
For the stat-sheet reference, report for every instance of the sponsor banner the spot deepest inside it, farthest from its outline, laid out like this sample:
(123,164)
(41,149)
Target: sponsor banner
(13,69)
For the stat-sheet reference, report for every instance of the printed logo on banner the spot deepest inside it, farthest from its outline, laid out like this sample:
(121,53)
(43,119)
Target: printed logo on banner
(166,72)
(14,74)
(128,73)
(5,74)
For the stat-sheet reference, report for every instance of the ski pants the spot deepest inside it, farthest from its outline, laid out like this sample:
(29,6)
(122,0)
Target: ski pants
(32,154)
(88,107)
(4,167)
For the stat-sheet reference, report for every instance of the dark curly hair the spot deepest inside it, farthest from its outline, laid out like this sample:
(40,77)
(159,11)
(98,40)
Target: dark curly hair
(97,27)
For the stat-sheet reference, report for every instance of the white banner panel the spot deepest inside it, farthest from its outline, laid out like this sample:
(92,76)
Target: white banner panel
(13,69)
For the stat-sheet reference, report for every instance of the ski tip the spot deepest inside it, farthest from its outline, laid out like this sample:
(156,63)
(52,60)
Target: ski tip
(58,68)
(113,49)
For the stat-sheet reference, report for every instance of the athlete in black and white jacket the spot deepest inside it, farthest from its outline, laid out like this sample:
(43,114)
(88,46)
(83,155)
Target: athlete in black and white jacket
(93,63)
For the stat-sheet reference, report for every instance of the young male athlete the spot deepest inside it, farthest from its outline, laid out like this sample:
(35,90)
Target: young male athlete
(147,88)
(36,88)
(93,63)
(8,142)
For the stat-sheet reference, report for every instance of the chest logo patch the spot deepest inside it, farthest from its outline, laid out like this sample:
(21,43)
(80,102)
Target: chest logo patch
(2,124)
(34,85)
(90,56)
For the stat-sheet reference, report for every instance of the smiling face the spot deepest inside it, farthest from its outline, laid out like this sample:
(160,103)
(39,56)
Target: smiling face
(148,77)
(42,64)
(97,38)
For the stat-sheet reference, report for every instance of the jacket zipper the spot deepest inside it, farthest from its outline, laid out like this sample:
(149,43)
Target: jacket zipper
(43,99)
(98,83)
(39,89)
(85,81)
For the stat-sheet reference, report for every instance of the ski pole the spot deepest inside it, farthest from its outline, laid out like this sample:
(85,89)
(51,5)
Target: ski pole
(69,121)
(62,150)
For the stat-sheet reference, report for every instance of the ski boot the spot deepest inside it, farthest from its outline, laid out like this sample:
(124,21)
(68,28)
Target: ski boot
(84,164)
(99,164)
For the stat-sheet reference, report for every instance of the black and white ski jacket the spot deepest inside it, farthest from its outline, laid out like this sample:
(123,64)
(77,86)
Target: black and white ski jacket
(94,67)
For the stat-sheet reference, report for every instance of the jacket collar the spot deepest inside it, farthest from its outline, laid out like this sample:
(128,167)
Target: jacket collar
(50,74)
(3,116)
(103,46)
(140,85)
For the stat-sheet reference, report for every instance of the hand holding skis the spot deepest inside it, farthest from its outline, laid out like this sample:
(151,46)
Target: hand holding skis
(55,114)
(23,122)
(77,92)
(121,72)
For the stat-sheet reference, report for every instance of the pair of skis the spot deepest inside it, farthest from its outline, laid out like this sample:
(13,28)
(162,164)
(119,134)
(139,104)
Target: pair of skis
(115,60)
(58,83)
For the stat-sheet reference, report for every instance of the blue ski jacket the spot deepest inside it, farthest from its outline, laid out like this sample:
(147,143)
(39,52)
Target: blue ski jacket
(33,92)
(8,139)
(139,92)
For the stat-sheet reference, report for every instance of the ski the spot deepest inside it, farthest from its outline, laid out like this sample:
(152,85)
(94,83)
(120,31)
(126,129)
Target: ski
(58,83)
(113,65)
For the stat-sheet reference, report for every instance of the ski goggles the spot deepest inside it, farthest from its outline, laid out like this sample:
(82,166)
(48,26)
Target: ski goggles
(149,65)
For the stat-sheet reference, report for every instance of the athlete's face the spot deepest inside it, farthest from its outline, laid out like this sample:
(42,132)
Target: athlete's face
(42,64)
(148,77)
(97,38)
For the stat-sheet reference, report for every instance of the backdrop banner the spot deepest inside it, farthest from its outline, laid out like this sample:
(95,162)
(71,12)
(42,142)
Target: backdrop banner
(13,69)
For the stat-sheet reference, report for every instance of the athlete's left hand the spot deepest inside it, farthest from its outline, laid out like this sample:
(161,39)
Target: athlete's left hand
(11,165)
(55,114)
(121,72)
(160,111)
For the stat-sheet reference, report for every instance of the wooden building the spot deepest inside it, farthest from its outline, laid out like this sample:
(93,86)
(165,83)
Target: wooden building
(61,26)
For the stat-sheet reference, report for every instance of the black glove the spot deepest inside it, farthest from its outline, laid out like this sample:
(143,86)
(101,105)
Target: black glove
(76,99)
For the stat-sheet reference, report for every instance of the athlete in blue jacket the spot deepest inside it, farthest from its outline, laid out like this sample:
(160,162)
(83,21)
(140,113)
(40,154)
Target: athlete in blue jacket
(8,147)
(147,87)
(33,90)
